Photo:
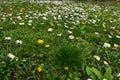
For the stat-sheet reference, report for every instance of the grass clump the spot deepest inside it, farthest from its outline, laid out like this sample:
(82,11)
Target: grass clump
(69,55)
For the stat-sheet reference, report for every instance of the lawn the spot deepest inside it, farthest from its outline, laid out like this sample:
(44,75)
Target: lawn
(68,41)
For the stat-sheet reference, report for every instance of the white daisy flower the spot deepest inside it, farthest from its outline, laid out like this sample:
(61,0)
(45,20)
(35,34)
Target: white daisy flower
(22,23)
(50,29)
(104,79)
(107,45)
(109,36)
(97,57)
(96,33)
(10,55)
(66,26)
(106,63)
(118,75)
(13,22)
(113,28)
(19,18)
(7,38)
(26,16)
(44,18)
(10,14)
(71,37)
(70,32)
(116,45)
(1,28)
(18,42)
(60,34)
(117,36)
(54,17)
(30,21)
(29,24)
(89,79)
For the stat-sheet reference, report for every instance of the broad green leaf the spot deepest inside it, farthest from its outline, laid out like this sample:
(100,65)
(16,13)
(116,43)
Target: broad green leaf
(108,74)
(91,73)
(97,73)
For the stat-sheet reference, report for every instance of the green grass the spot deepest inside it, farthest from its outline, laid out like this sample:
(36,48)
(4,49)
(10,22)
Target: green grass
(70,55)
(73,34)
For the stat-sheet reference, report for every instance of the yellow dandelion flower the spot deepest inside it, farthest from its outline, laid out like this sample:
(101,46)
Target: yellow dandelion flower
(39,69)
(66,68)
(33,27)
(118,46)
(104,26)
(47,45)
(10,9)
(22,20)
(14,17)
(95,25)
(83,22)
(110,19)
(3,18)
(40,41)
(46,7)
(76,38)
(119,32)
(52,25)
(37,11)
(99,13)
(104,29)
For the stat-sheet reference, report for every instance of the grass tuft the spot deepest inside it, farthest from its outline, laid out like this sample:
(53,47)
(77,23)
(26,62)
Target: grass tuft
(69,55)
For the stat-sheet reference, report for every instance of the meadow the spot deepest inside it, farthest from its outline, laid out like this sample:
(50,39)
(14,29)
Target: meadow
(62,41)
